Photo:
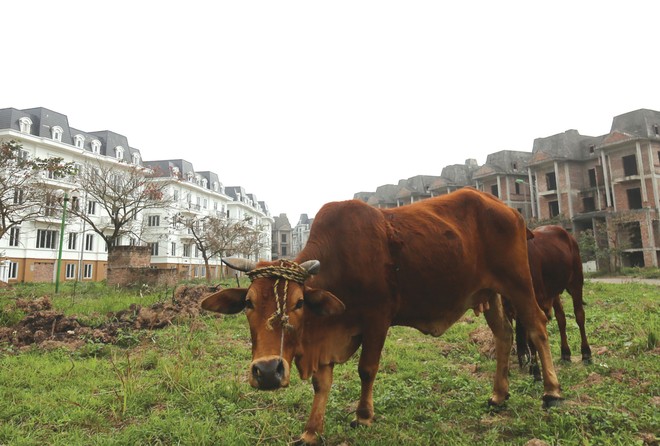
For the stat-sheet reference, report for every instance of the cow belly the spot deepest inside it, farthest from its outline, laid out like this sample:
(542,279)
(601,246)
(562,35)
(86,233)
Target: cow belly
(434,326)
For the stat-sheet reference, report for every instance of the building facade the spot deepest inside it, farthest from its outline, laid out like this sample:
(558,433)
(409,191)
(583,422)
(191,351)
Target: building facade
(31,250)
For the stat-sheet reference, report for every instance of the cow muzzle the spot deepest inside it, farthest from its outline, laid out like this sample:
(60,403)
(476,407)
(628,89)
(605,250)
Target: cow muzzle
(269,373)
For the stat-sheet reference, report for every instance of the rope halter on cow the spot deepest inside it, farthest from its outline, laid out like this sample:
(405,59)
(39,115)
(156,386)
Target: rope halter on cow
(286,270)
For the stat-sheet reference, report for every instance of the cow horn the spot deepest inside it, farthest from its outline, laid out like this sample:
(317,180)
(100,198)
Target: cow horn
(311,266)
(245,265)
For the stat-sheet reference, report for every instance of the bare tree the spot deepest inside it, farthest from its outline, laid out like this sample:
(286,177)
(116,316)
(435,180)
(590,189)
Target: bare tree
(253,241)
(216,236)
(114,197)
(24,192)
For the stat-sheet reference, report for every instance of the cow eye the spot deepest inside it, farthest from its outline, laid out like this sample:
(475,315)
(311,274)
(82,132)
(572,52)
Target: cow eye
(299,304)
(249,304)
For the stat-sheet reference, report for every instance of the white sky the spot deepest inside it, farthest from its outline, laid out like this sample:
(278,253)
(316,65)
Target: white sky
(305,102)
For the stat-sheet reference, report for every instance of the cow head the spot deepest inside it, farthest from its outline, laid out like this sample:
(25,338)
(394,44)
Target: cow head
(275,305)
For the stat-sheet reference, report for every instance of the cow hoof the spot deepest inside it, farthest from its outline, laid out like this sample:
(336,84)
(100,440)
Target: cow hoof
(550,401)
(495,405)
(587,361)
(307,439)
(360,423)
(566,359)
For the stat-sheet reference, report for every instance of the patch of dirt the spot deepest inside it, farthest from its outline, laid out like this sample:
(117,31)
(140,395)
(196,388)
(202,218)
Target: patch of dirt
(483,337)
(50,329)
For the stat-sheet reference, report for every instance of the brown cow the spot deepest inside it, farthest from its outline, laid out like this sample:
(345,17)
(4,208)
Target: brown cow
(555,264)
(365,269)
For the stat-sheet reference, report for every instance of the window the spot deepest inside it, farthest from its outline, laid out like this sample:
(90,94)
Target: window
(119,152)
(551,181)
(553,208)
(173,248)
(592,177)
(154,248)
(517,187)
(19,196)
(186,250)
(79,141)
(175,194)
(589,204)
(283,250)
(25,124)
(196,251)
(56,133)
(75,203)
(215,186)
(89,242)
(215,205)
(205,203)
(14,235)
(51,206)
(494,190)
(13,270)
(91,207)
(591,148)
(70,271)
(202,271)
(634,198)
(629,165)
(87,271)
(73,240)
(136,159)
(96,146)
(205,183)
(283,238)
(46,238)
(153,220)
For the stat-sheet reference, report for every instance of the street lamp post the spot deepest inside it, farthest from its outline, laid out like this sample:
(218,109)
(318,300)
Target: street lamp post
(59,252)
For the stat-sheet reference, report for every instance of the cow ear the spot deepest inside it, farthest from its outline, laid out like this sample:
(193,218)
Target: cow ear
(323,303)
(229,301)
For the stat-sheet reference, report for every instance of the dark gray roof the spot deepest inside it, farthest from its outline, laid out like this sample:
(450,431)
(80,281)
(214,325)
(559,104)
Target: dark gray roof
(43,120)
(642,123)
(506,162)
(234,191)
(569,145)
(165,168)
(281,223)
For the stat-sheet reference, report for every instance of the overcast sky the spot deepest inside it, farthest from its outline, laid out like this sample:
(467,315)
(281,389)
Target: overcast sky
(305,102)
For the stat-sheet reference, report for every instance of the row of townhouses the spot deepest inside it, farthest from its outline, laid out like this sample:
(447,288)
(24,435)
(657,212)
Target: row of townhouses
(607,184)
(30,252)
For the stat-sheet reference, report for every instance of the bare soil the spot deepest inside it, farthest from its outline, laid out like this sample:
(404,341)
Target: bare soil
(48,328)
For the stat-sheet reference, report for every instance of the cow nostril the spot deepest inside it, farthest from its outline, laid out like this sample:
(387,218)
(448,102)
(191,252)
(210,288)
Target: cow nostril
(255,371)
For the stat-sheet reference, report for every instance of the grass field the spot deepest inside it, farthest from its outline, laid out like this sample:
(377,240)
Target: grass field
(186,384)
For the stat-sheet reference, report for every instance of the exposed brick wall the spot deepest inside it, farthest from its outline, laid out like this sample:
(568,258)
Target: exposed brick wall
(130,266)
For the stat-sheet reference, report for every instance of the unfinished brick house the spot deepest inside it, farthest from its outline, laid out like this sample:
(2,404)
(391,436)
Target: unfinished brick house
(504,175)
(607,183)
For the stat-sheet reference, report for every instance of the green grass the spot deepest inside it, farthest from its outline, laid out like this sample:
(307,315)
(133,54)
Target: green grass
(186,384)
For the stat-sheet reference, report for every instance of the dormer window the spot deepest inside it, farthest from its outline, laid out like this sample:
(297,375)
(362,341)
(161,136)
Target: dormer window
(190,176)
(119,152)
(79,141)
(136,159)
(25,124)
(96,146)
(175,172)
(56,133)
(204,183)
(215,186)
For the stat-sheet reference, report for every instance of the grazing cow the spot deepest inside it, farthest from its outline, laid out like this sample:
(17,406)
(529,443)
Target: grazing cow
(555,264)
(365,269)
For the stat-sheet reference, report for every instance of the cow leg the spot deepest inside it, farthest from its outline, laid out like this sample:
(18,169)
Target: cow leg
(503,334)
(561,323)
(534,320)
(578,309)
(372,346)
(322,382)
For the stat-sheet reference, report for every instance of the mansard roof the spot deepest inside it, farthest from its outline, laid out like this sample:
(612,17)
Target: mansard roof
(569,145)
(43,120)
(504,162)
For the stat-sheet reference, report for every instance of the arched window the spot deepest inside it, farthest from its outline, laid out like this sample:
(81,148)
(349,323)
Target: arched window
(96,146)
(215,186)
(79,141)
(136,159)
(204,183)
(25,124)
(56,133)
(119,152)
